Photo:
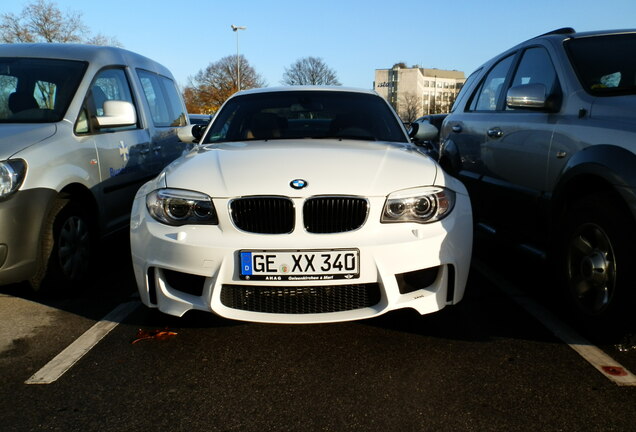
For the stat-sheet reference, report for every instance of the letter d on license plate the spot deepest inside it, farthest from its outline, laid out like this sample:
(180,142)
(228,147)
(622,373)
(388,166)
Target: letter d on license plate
(300,265)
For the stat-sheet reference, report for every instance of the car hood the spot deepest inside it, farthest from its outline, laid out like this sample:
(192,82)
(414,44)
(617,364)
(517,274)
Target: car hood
(17,137)
(328,166)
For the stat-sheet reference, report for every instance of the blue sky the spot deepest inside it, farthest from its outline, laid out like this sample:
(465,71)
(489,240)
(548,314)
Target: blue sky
(353,37)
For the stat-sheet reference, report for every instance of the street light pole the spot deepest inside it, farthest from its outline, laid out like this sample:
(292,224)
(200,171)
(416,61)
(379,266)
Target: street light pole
(238,66)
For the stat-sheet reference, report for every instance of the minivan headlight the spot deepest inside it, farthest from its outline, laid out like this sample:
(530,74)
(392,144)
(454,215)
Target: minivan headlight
(420,205)
(178,207)
(12,174)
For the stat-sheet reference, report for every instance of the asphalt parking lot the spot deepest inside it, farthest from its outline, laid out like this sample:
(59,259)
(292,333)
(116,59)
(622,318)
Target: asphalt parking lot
(486,364)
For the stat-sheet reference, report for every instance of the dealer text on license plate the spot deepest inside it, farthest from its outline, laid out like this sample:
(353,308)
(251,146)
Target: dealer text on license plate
(300,265)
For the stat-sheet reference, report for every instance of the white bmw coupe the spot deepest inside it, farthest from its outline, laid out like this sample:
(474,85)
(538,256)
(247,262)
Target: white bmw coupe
(302,205)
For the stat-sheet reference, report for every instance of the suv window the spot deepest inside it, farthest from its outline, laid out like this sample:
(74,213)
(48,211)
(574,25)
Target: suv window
(490,90)
(465,88)
(605,65)
(536,68)
(163,99)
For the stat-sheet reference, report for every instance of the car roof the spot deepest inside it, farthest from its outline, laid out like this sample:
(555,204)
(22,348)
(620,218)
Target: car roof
(568,32)
(94,54)
(306,88)
(555,37)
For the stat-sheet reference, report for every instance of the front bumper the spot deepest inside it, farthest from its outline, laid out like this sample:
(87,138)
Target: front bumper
(21,219)
(419,266)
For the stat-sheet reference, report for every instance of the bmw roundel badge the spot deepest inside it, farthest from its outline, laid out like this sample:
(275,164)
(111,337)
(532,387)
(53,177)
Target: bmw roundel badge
(298,183)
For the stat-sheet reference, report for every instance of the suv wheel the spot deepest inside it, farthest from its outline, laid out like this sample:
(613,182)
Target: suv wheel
(597,258)
(66,248)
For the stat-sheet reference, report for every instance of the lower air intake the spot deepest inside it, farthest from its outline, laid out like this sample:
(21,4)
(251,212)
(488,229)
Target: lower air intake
(300,300)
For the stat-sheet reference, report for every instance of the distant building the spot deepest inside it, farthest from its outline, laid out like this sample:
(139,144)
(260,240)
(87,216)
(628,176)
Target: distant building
(417,91)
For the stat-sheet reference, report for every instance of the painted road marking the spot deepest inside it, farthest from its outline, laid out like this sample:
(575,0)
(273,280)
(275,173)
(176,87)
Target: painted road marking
(75,351)
(605,364)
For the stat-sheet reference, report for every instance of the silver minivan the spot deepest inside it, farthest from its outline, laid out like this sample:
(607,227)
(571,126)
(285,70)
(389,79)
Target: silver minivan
(81,128)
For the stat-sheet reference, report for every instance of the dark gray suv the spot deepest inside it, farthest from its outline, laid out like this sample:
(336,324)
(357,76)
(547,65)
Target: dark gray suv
(544,137)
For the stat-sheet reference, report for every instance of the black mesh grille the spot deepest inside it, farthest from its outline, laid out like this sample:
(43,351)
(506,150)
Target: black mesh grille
(325,215)
(263,215)
(300,300)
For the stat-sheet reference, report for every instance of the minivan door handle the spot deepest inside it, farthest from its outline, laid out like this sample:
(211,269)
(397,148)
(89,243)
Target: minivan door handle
(495,133)
(456,128)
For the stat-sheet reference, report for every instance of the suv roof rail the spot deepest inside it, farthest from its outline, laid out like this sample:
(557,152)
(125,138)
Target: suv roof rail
(562,30)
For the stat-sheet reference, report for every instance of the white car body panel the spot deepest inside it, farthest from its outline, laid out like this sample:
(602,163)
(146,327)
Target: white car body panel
(247,168)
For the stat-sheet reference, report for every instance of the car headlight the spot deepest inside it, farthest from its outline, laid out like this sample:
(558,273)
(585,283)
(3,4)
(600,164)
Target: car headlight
(11,176)
(178,207)
(420,205)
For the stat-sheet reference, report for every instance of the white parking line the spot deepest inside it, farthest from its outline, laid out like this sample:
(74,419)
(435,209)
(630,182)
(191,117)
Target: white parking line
(605,364)
(75,351)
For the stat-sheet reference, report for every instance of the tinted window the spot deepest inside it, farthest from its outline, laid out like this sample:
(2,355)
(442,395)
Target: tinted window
(306,114)
(605,65)
(163,99)
(464,89)
(37,90)
(489,92)
(536,68)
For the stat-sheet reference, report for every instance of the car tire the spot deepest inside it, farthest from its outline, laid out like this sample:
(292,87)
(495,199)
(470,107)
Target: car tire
(66,249)
(597,260)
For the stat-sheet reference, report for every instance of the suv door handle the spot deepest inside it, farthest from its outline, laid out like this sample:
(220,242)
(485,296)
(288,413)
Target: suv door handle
(456,128)
(495,133)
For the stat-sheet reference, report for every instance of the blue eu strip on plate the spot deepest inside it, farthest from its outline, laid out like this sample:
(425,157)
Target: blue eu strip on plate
(246,263)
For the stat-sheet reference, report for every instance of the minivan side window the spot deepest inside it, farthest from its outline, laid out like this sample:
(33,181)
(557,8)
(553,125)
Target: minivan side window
(490,90)
(109,84)
(163,99)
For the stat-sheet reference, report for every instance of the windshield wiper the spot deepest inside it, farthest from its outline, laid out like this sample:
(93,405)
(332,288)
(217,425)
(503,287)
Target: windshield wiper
(348,137)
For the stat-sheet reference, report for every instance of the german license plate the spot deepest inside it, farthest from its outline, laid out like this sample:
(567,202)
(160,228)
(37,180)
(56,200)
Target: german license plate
(303,265)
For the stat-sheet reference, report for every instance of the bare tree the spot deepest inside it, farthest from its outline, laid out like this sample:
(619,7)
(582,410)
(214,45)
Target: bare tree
(409,107)
(42,21)
(310,71)
(211,87)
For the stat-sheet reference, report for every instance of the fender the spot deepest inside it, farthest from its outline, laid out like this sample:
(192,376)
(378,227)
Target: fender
(610,163)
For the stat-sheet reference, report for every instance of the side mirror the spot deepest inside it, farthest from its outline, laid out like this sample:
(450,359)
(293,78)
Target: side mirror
(423,132)
(191,133)
(117,113)
(527,96)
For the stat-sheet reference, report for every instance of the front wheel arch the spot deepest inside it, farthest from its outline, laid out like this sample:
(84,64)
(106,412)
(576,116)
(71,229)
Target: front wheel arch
(67,245)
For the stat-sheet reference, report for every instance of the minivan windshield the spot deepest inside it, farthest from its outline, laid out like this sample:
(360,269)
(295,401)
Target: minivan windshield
(37,90)
(605,65)
(306,114)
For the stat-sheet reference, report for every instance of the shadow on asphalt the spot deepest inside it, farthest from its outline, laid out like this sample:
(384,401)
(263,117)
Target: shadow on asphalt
(114,284)
(484,313)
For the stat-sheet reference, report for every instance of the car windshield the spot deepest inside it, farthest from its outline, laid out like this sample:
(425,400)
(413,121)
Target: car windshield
(305,114)
(37,90)
(605,65)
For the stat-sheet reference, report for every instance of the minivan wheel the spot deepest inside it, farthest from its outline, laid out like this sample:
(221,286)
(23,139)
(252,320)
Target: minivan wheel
(66,246)
(597,260)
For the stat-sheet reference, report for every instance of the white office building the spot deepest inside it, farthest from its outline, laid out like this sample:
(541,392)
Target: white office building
(417,91)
